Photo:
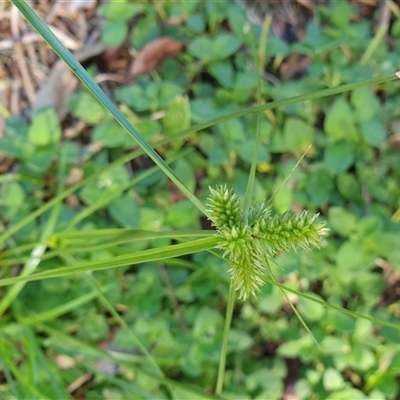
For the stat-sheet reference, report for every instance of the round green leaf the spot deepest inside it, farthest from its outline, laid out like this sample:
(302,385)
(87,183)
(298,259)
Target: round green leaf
(339,156)
(239,340)
(349,257)
(339,121)
(339,321)
(107,184)
(348,186)
(45,128)
(196,23)
(177,115)
(332,380)
(125,212)
(113,33)
(218,48)
(310,310)
(41,160)
(373,132)
(94,327)
(223,72)
(145,31)
(11,194)
(298,135)
(365,103)
(207,322)
(341,220)
(109,134)
(86,108)
(121,11)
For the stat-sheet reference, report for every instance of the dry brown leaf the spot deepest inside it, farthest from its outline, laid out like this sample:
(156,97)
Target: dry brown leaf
(293,65)
(153,54)
(307,3)
(394,141)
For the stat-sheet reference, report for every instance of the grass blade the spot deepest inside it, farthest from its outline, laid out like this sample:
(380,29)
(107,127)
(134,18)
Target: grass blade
(160,253)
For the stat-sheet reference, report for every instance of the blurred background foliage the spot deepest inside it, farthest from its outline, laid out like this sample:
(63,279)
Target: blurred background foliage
(169,65)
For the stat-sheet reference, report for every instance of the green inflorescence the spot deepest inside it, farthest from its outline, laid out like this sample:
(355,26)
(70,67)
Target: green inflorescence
(249,238)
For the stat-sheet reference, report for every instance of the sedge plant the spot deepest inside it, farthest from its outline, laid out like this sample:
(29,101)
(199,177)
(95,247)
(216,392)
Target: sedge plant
(248,234)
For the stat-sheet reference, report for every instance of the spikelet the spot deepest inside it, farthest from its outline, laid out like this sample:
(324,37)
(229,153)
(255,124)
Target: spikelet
(247,241)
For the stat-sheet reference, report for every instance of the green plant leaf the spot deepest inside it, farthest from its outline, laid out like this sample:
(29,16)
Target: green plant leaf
(113,33)
(196,23)
(339,156)
(86,108)
(339,122)
(120,11)
(207,323)
(218,48)
(181,215)
(105,185)
(348,186)
(373,132)
(277,47)
(349,257)
(332,380)
(341,13)
(177,115)
(298,135)
(365,103)
(11,195)
(41,160)
(45,128)
(310,310)
(145,31)
(125,212)
(223,72)
(341,220)
(109,134)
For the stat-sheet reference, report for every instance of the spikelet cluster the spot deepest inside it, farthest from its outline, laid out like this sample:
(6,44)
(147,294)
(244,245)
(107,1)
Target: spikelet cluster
(248,239)
(224,208)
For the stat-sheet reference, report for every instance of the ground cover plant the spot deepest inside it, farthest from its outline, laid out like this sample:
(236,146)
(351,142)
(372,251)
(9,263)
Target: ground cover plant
(112,286)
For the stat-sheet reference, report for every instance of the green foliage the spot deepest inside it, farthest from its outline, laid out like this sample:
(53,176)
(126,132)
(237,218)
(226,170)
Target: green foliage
(158,305)
(249,238)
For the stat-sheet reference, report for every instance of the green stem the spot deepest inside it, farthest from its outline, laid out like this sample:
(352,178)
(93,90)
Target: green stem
(222,359)
(379,35)
(252,174)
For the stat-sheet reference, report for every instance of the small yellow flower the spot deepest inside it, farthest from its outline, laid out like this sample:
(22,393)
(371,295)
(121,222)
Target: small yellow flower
(264,168)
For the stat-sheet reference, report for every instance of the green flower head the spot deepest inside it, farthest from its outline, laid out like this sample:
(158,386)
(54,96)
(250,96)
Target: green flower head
(249,241)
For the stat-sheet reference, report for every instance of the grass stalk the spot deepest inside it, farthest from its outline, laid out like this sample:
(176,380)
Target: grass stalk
(227,326)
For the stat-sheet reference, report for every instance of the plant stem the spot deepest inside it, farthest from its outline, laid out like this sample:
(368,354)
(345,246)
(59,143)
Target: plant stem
(228,320)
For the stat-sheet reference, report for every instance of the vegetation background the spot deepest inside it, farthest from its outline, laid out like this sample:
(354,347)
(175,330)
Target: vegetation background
(78,195)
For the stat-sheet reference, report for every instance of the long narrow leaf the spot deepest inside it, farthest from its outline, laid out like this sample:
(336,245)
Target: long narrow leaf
(160,253)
